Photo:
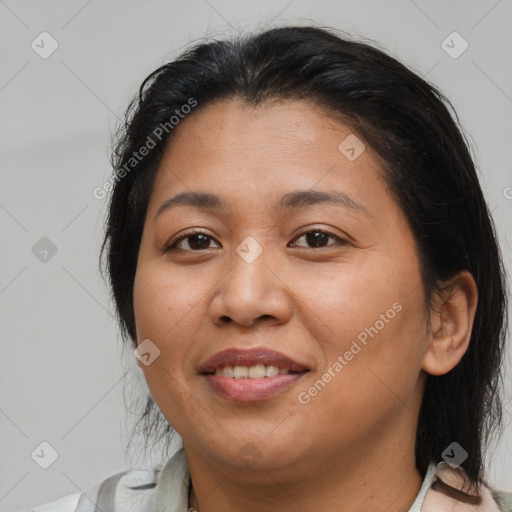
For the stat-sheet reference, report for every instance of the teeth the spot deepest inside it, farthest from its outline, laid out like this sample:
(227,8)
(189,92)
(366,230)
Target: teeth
(258,371)
(240,372)
(271,371)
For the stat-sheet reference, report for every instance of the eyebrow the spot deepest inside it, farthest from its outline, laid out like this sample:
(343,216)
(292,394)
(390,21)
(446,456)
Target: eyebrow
(295,199)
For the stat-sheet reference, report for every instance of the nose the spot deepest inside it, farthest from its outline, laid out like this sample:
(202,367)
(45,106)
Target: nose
(252,293)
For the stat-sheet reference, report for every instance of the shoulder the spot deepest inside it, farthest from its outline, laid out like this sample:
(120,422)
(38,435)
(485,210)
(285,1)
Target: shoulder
(128,490)
(503,499)
(136,490)
(67,504)
(451,490)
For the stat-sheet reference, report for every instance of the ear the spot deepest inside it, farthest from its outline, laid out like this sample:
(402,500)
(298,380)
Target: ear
(451,322)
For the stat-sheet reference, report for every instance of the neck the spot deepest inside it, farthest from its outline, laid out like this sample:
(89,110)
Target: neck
(380,476)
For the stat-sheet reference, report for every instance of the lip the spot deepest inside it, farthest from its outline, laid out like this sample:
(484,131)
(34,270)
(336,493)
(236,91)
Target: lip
(251,390)
(250,357)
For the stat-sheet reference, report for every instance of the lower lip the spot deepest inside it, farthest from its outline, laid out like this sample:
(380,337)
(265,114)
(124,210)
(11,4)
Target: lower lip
(251,390)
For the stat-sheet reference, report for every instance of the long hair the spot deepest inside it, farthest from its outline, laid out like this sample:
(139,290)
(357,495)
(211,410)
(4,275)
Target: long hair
(427,167)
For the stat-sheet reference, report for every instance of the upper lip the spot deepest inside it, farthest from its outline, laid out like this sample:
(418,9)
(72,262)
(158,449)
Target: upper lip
(249,357)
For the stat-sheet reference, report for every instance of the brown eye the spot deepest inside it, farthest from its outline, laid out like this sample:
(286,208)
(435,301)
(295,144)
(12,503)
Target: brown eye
(198,241)
(195,241)
(317,238)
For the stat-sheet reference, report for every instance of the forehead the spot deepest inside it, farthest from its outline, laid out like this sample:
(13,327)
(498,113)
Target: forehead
(274,142)
(301,120)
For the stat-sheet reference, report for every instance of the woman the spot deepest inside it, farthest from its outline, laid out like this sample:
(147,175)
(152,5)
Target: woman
(302,258)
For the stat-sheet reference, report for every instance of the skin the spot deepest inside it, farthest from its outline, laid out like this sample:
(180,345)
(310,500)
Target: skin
(351,447)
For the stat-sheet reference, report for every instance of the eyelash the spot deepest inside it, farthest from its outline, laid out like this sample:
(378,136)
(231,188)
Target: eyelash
(172,247)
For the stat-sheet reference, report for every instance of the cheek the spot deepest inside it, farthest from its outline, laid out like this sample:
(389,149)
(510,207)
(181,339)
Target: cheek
(374,320)
(350,302)
(372,381)
(163,300)
(166,310)
(166,306)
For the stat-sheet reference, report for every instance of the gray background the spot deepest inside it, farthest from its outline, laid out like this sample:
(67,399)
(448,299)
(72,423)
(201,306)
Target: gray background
(62,362)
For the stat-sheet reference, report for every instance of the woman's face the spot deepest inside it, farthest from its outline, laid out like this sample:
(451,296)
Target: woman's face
(284,278)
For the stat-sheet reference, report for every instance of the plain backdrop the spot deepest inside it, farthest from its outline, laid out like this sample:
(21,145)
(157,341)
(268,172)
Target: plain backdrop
(62,371)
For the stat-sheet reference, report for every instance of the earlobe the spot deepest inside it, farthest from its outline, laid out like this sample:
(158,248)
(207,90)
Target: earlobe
(452,317)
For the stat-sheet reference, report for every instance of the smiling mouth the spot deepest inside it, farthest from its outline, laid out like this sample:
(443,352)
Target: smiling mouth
(251,375)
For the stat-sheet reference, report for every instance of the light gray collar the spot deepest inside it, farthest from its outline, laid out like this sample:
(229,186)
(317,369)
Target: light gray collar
(427,481)
(173,485)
